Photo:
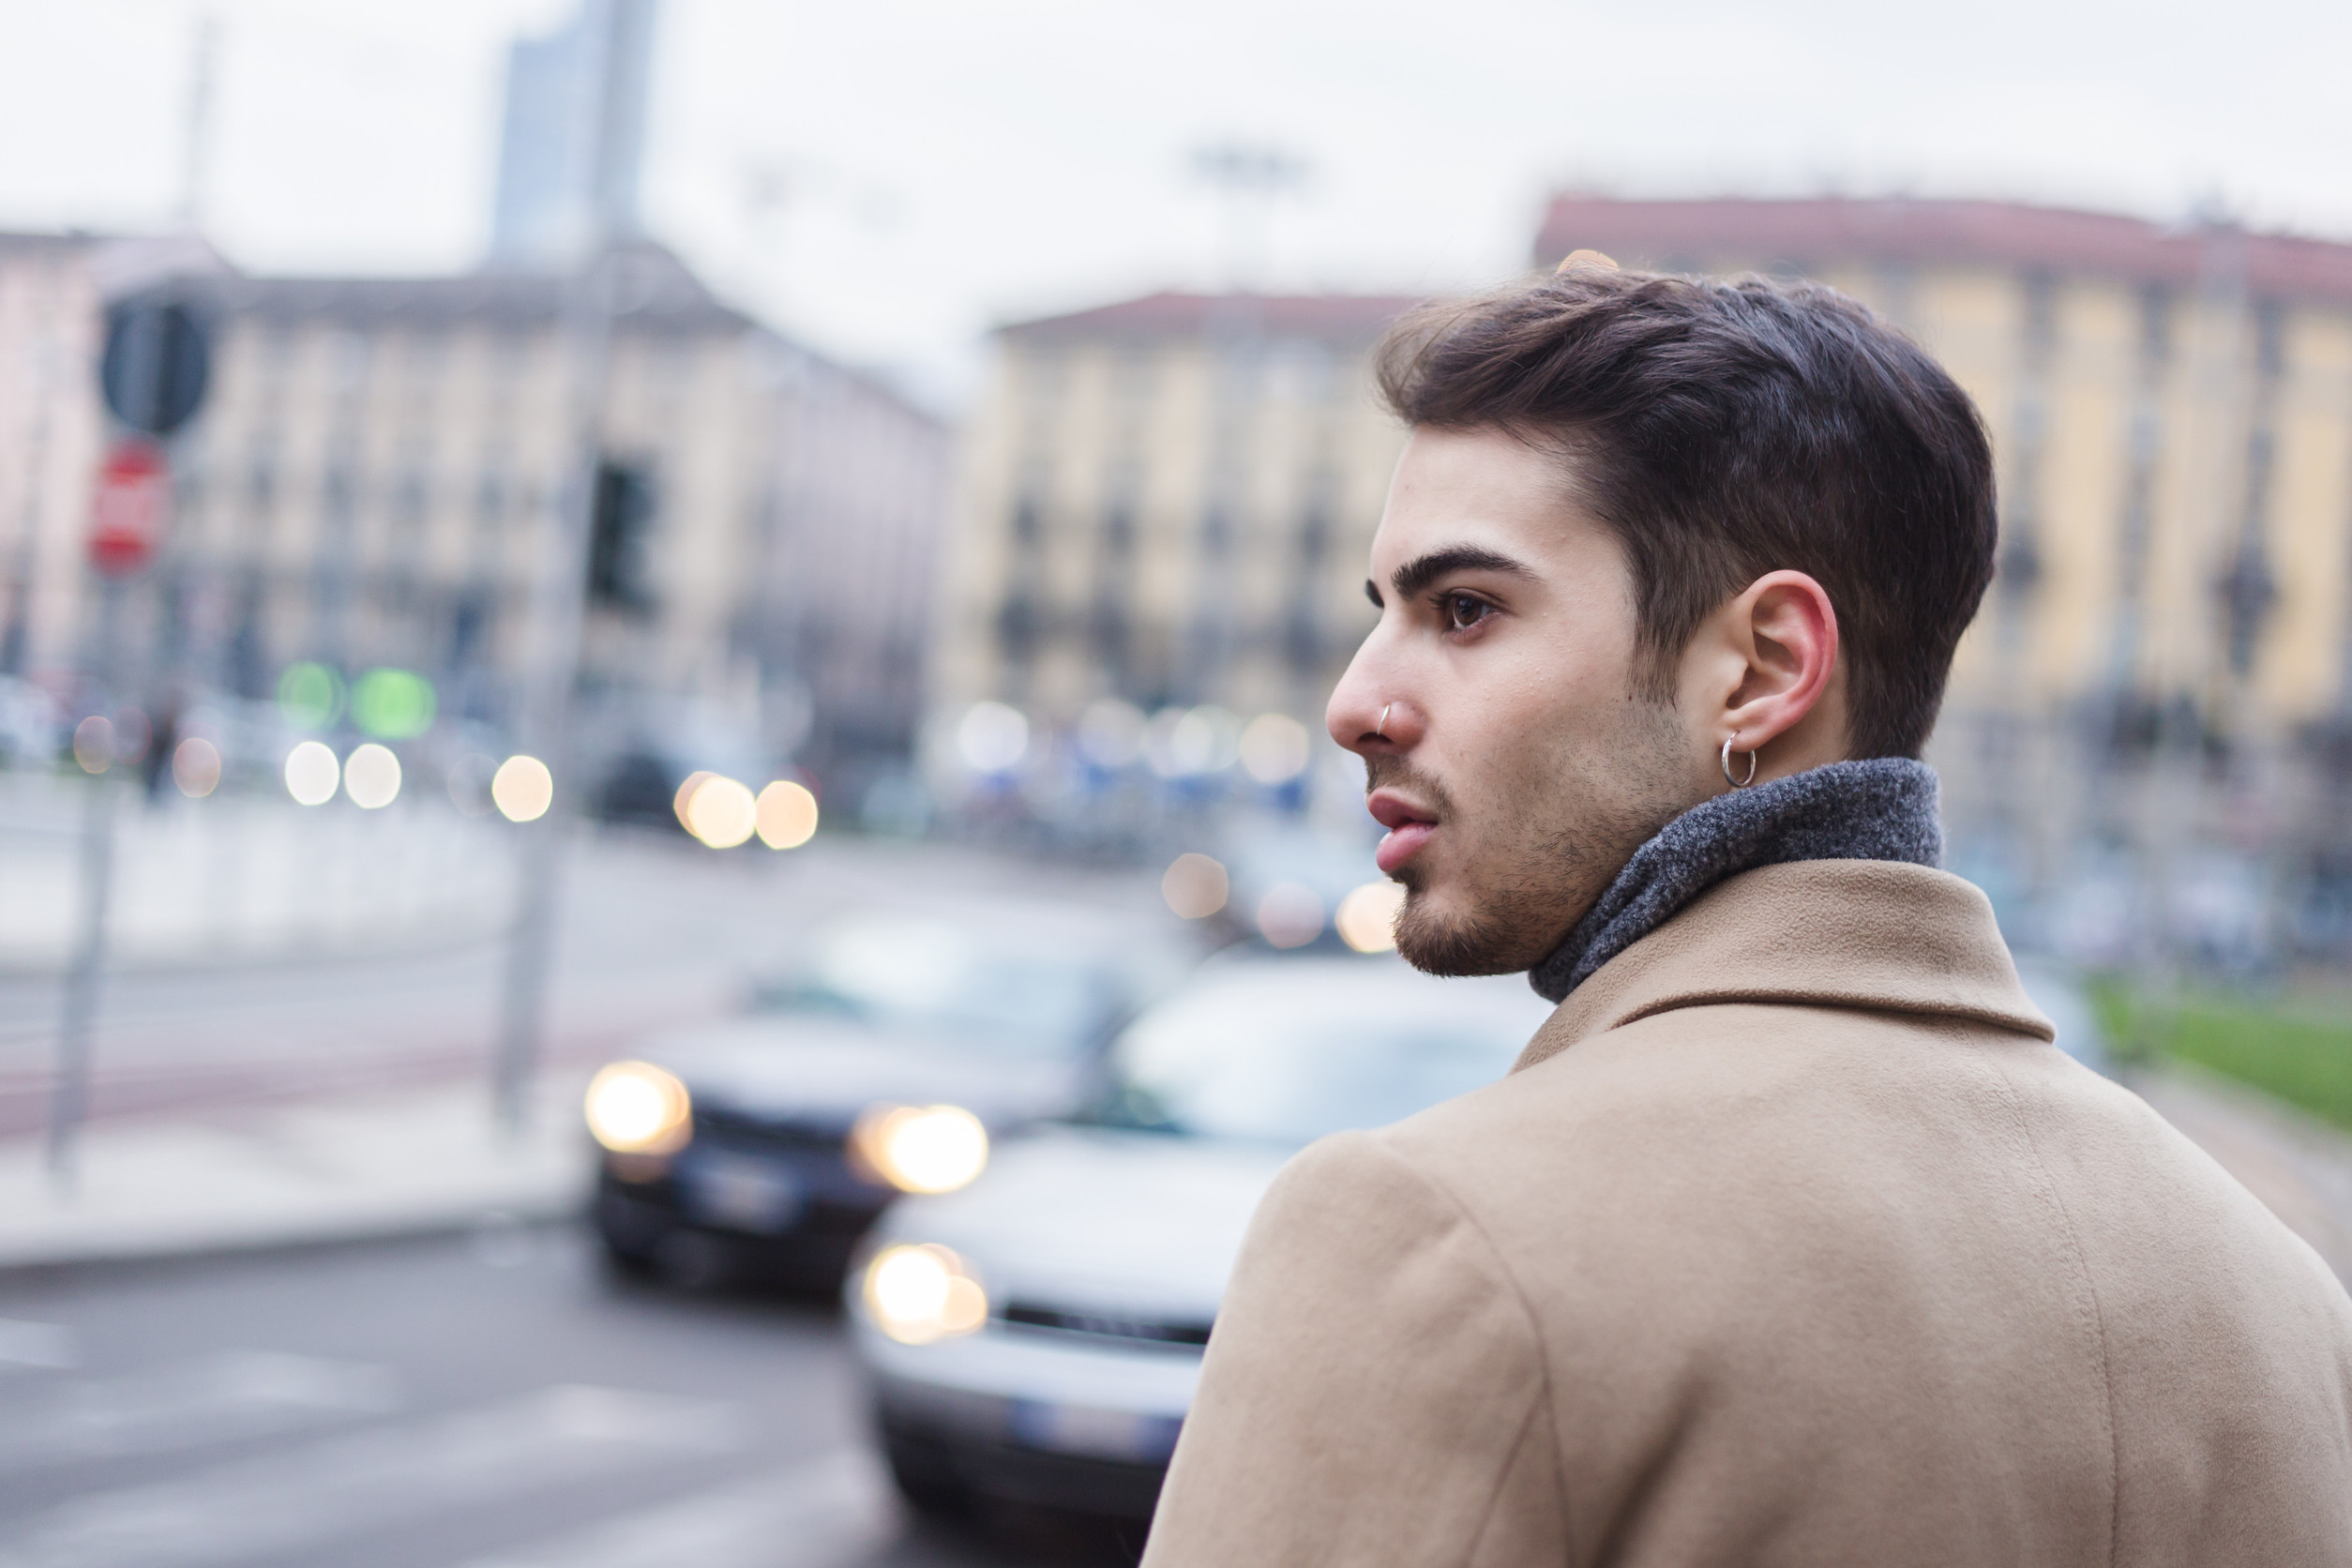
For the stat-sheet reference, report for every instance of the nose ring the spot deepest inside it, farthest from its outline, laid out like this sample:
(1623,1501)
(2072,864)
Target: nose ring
(1381,727)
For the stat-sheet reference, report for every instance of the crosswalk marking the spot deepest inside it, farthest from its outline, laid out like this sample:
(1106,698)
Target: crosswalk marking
(213,1400)
(23,1344)
(825,1512)
(343,1485)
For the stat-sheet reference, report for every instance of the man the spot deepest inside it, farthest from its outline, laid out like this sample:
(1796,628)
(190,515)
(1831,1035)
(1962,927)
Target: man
(1790,1239)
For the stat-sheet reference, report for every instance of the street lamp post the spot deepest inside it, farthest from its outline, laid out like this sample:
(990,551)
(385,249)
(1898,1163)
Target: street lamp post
(560,595)
(154,375)
(70,1094)
(560,612)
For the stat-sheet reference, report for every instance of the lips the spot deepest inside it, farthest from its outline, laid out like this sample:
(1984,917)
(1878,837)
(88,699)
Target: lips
(1409,828)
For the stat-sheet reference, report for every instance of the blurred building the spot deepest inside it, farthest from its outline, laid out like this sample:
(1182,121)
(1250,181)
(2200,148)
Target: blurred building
(2163,673)
(54,292)
(1169,501)
(571,143)
(50,426)
(373,482)
(2172,408)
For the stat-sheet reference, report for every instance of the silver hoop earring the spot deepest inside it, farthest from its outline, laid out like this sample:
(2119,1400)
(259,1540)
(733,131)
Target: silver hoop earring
(1737,783)
(1380,729)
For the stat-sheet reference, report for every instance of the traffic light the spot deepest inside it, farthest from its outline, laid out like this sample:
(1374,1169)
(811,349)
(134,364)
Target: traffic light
(620,529)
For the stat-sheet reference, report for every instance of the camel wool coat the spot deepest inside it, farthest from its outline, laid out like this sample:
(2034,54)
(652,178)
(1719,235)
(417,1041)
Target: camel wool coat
(1788,1239)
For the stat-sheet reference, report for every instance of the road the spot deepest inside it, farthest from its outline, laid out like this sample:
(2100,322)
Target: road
(482,1401)
(655,931)
(651,935)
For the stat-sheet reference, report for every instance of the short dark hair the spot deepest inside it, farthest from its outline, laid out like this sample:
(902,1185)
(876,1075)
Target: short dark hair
(1723,429)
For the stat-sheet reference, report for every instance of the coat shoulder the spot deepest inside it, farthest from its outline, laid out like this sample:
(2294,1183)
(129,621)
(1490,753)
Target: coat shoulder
(1373,1392)
(1749,1229)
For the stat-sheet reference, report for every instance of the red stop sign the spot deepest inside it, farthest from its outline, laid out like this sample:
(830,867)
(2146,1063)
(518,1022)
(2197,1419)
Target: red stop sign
(131,506)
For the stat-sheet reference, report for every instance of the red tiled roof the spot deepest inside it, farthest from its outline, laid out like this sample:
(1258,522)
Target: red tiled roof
(1335,318)
(1809,233)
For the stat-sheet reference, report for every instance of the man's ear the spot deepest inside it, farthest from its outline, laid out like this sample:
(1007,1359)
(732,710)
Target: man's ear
(1782,636)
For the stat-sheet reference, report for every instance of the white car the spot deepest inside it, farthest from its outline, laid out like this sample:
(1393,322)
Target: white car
(1036,1336)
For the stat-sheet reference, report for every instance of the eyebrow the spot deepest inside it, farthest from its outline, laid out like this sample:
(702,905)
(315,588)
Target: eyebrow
(1418,573)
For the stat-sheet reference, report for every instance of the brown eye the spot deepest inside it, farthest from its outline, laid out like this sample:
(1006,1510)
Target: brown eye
(1462,611)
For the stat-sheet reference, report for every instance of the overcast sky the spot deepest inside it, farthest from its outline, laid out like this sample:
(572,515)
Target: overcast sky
(887,177)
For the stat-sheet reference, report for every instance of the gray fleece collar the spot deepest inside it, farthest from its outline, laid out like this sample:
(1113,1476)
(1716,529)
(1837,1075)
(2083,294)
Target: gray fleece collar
(1880,810)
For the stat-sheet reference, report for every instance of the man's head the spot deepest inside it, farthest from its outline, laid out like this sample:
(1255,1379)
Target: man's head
(1639,517)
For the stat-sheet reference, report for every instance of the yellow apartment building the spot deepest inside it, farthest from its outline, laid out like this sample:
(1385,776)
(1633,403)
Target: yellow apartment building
(2172,412)
(2144,741)
(1167,500)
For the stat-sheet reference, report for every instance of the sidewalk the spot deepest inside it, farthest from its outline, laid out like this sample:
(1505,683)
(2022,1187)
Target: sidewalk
(238,878)
(386,1165)
(242,1106)
(418,1161)
(2298,1165)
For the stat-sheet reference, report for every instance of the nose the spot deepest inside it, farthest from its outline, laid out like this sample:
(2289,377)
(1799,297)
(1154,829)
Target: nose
(1367,713)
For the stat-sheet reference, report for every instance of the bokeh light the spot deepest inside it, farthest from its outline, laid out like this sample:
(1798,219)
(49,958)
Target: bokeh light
(196,767)
(1274,748)
(992,737)
(687,787)
(94,744)
(1200,740)
(1194,886)
(929,1149)
(1110,732)
(918,1294)
(1368,916)
(786,815)
(721,812)
(634,1107)
(312,773)
(1290,915)
(309,696)
(393,704)
(371,776)
(522,789)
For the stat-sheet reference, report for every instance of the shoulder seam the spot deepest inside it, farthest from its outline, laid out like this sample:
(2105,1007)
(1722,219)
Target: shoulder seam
(1547,1403)
(2090,1288)
(1503,1478)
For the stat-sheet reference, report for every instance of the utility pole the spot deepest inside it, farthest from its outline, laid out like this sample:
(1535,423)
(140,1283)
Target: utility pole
(196,135)
(69,1097)
(154,374)
(558,607)
(1248,180)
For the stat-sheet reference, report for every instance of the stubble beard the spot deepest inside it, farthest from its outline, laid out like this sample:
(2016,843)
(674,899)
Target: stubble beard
(1557,834)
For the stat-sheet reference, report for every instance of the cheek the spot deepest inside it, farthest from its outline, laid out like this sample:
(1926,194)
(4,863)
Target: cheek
(1509,725)
(1540,749)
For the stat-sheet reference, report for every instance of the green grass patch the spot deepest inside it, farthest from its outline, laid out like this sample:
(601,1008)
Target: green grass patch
(2299,1054)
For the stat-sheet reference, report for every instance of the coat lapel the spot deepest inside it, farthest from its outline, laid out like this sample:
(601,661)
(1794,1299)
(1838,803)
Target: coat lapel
(1867,934)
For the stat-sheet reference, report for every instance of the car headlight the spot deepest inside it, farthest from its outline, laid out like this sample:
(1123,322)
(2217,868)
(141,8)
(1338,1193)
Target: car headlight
(634,1108)
(917,1294)
(921,1148)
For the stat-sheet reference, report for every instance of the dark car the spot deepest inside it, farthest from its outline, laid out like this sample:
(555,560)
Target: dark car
(764,1147)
